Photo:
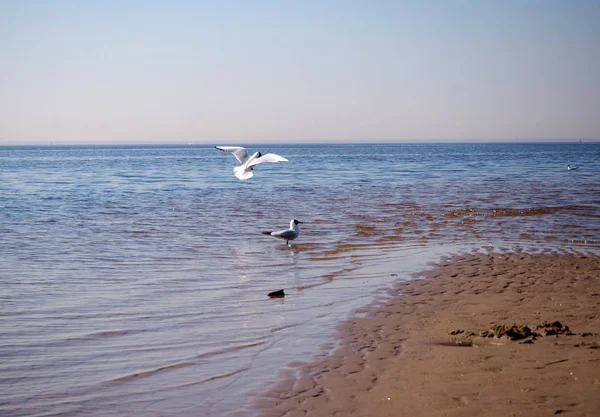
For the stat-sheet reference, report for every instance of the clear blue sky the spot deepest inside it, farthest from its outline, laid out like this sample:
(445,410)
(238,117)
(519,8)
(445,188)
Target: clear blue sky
(232,71)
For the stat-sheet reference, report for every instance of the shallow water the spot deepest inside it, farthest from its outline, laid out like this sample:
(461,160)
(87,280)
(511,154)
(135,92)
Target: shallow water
(133,280)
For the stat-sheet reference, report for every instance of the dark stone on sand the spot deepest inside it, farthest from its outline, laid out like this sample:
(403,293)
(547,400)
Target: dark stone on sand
(552,328)
(277,294)
(518,332)
(513,332)
(456,343)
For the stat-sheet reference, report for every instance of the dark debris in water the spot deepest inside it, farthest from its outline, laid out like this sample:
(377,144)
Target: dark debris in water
(501,212)
(277,294)
(462,213)
(511,212)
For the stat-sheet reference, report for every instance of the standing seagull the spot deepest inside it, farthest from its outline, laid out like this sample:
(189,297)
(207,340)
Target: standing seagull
(570,168)
(287,234)
(244,171)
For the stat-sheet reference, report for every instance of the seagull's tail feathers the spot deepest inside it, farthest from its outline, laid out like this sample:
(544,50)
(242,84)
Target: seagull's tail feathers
(267,233)
(242,173)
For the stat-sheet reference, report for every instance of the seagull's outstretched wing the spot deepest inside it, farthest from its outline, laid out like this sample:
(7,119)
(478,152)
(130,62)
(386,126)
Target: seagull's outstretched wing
(237,151)
(270,157)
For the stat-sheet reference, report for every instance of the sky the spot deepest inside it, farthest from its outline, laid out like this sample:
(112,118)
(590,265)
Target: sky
(145,71)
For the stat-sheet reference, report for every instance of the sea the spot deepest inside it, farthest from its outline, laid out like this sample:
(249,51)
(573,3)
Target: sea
(134,280)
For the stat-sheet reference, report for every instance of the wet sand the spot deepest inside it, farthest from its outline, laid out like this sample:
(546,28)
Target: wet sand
(445,346)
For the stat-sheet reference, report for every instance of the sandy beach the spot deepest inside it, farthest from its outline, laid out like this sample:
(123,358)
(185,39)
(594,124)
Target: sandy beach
(479,335)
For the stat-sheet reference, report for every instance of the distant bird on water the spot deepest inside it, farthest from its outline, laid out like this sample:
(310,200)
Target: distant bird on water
(570,168)
(244,171)
(287,234)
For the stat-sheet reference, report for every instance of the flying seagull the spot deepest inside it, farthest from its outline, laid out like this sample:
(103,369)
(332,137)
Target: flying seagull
(570,168)
(247,163)
(287,234)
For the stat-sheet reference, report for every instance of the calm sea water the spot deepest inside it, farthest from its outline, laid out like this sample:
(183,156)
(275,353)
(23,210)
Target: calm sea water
(133,280)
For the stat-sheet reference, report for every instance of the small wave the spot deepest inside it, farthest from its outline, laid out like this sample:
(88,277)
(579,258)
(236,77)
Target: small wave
(145,374)
(103,334)
(309,286)
(365,230)
(226,375)
(592,242)
(347,247)
(229,349)
(278,329)
(336,274)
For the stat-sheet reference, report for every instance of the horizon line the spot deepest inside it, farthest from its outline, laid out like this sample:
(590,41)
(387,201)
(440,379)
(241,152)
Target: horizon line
(302,142)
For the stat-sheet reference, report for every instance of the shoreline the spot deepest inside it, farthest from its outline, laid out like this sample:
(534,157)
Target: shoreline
(433,349)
